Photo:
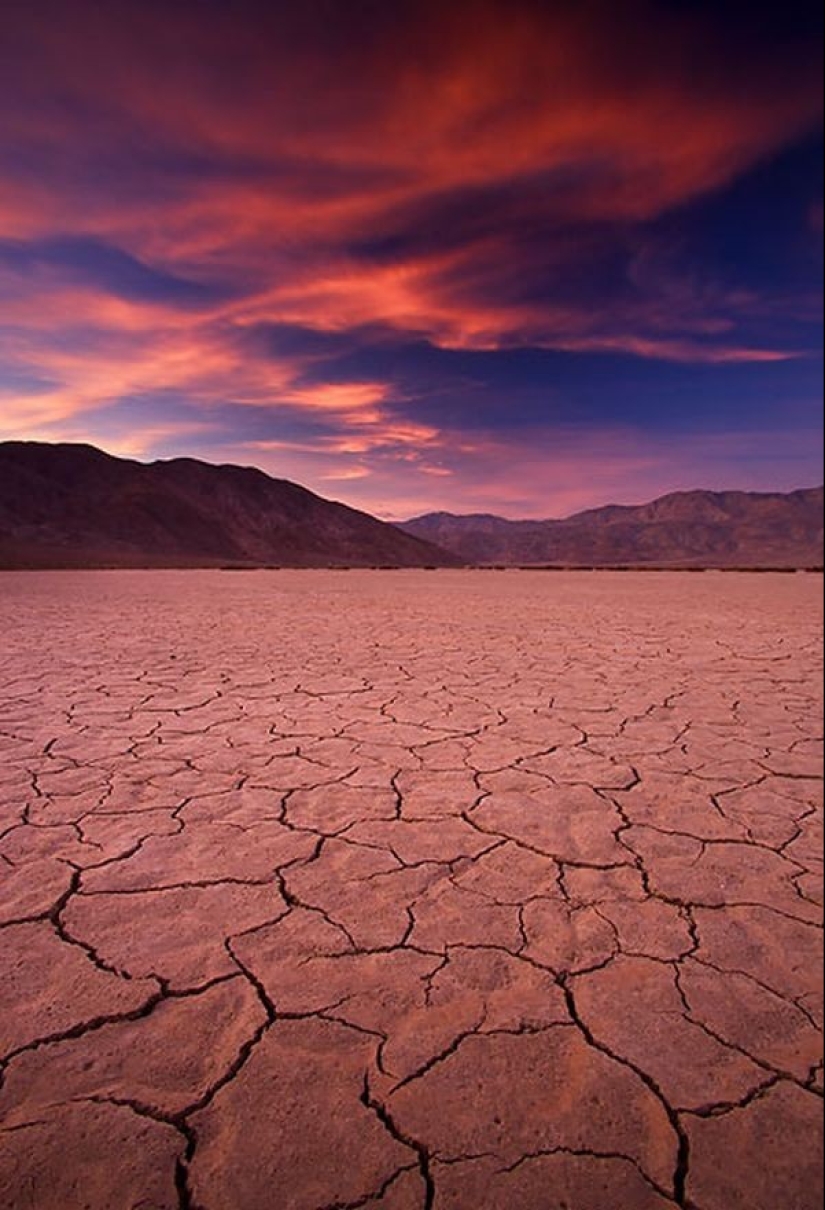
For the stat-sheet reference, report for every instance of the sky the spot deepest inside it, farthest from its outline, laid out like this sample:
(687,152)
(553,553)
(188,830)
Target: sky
(515,257)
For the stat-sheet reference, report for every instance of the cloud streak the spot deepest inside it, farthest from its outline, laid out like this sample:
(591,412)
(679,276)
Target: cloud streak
(180,181)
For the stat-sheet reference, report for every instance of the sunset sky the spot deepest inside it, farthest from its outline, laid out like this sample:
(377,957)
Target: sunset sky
(516,257)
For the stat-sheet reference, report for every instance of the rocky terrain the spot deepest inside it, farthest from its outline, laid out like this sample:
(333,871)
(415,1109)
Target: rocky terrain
(704,529)
(493,890)
(74,506)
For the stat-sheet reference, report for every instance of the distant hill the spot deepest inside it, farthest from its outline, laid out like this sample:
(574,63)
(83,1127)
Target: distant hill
(74,506)
(686,529)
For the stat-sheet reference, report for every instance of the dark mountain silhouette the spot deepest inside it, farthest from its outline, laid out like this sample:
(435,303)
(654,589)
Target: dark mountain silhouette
(686,529)
(74,506)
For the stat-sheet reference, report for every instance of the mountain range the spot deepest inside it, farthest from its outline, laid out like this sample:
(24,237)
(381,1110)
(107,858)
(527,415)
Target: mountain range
(75,506)
(685,529)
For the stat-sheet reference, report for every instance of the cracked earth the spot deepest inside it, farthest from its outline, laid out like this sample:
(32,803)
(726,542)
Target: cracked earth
(455,890)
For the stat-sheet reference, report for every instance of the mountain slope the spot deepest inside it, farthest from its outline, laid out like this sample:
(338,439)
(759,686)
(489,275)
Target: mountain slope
(74,506)
(700,528)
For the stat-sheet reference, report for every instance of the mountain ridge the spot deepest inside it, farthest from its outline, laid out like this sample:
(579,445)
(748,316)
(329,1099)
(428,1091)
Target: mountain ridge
(684,528)
(66,505)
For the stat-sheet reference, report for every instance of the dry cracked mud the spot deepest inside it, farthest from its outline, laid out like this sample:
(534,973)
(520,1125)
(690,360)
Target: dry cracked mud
(455,890)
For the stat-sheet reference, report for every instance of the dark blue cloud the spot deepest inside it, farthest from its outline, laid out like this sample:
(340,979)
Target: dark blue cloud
(279,152)
(26,384)
(101,266)
(758,232)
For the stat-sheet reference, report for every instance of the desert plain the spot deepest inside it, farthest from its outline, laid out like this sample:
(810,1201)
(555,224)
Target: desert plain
(471,890)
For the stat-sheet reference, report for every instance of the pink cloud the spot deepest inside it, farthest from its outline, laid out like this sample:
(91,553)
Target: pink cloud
(454,99)
(273,165)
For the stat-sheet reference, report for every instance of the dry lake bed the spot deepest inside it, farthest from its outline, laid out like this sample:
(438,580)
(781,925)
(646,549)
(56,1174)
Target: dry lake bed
(467,890)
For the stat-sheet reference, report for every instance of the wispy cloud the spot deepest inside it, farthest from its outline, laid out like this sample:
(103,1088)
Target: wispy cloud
(181,187)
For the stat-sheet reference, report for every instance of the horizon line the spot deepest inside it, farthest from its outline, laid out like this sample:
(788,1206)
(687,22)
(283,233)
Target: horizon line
(435,512)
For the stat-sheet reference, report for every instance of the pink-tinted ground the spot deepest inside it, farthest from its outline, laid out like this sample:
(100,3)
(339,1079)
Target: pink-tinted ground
(470,890)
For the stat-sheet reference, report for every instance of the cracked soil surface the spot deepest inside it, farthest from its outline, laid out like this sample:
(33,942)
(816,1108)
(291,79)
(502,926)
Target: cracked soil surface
(457,890)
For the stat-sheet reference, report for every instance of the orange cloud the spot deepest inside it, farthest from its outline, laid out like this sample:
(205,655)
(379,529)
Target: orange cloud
(329,142)
(444,97)
(383,180)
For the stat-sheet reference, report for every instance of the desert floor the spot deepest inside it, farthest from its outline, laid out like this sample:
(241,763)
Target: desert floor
(466,890)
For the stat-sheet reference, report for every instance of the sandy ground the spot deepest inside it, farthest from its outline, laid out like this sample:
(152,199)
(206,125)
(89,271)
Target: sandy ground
(465,890)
